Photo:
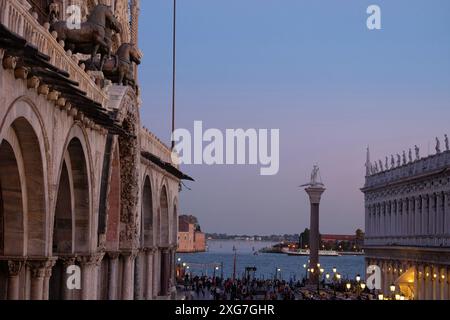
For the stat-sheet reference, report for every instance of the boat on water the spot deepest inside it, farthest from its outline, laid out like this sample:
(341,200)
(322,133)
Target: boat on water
(306,252)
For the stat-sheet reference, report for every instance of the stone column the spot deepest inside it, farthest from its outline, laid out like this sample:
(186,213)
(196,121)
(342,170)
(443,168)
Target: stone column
(165,272)
(113,275)
(411,213)
(405,218)
(399,217)
(417,284)
(435,280)
(425,212)
(148,292)
(137,281)
(439,230)
(39,270)
(442,284)
(417,216)
(393,216)
(383,219)
(47,276)
(67,294)
(315,194)
(366,220)
(128,270)
(89,282)
(446,214)
(14,269)
(432,216)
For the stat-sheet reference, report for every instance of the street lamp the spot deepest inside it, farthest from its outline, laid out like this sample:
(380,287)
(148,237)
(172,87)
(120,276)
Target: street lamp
(358,278)
(348,286)
(380,296)
(363,286)
(334,269)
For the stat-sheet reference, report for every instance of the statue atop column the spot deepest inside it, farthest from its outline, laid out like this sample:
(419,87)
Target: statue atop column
(438,145)
(316,181)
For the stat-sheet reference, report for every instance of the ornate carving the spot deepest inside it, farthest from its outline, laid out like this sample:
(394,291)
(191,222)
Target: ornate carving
(14,267)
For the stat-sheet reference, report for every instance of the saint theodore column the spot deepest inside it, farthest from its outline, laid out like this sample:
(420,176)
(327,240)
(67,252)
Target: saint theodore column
(315,189)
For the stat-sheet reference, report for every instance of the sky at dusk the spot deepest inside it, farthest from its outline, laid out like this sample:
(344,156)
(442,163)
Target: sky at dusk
(311,69)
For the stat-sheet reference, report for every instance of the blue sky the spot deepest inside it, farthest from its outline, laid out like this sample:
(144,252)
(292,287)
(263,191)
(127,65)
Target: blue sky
(311,69)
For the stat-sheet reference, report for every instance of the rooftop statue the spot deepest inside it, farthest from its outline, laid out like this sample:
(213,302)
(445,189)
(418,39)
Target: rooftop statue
(410,157)
(399,160)
(438,145)
(94,36)
(404,157)
(386,163)
(447,145)
(381,165)
(392,161)
(417,152)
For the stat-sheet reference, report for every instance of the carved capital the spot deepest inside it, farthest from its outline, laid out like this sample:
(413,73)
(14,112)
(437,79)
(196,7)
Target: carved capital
(14,268)
(41,268)
(91,260)
(113,255)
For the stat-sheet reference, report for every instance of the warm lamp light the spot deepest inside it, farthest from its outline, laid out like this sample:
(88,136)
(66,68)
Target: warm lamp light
(381,297)
(392,288)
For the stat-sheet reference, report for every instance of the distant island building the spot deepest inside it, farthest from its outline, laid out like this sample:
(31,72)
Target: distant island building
(190,237)
(407,214)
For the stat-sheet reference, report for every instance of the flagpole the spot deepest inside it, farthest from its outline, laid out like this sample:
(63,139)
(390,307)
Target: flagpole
(174,67)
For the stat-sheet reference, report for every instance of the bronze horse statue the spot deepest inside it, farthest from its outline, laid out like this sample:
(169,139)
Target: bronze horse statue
(119,68)
(94,35)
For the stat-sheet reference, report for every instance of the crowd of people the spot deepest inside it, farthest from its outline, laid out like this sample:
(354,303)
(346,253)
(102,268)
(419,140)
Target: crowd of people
(215,288)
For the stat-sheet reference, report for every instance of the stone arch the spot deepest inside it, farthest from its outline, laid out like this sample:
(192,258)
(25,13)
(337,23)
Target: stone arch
(76,156)
(12,204)
(33,184)
(23,128)
(147,213)
(63,230)
(82,196)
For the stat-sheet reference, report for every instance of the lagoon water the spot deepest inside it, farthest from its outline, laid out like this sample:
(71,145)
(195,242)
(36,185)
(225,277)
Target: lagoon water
(220,251)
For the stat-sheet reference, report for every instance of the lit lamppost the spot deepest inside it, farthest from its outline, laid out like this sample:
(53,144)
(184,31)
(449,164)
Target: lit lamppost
(358,280)
(392,289)
(380,296)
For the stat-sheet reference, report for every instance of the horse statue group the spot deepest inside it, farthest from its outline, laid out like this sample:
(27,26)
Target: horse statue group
(94,37)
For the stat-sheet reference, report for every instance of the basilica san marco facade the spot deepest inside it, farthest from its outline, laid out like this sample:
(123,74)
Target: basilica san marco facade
(82,184)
